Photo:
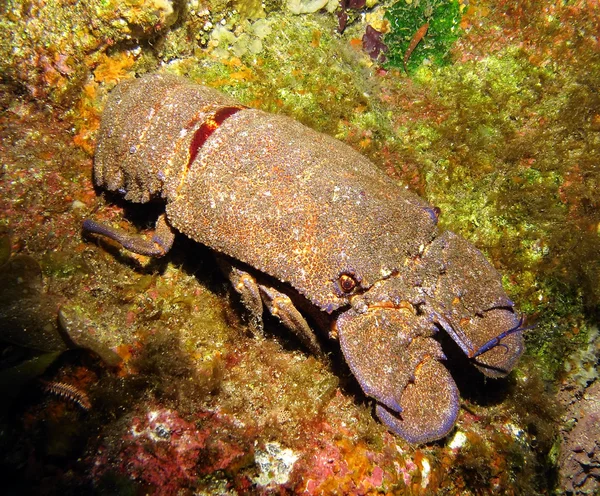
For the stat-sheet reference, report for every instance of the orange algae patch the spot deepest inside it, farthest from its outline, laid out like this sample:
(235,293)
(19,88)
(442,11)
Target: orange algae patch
(365,143)
(350,467)
(87,118)
(124,351)
(112,69)
(356,43)
(243,75)
(127,352)
(233,62)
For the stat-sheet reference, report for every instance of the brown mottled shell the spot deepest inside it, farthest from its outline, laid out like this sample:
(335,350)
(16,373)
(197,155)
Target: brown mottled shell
(313,213)
(147,126)
(262,188)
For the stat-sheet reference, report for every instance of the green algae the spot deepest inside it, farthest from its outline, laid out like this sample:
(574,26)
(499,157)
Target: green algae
(62,264)
(277,392)
(277,80)
(407,17)
(172,373)
(492,164)
(250,9)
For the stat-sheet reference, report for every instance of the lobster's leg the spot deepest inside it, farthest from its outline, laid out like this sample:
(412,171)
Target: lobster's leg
(160,243)
(256,296)
(281,306)
(245,284)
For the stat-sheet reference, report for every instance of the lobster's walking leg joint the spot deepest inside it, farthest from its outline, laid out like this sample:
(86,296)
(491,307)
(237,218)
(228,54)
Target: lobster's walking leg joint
(281,306)
(245,284)
(160,243)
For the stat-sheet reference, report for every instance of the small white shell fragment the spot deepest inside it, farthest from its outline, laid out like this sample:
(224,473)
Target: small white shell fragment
(305,6)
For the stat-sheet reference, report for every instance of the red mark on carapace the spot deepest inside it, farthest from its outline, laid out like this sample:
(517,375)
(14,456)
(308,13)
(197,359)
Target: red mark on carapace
(209,126)
(417,37)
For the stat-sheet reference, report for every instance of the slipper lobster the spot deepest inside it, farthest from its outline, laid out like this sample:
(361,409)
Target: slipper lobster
(310,230)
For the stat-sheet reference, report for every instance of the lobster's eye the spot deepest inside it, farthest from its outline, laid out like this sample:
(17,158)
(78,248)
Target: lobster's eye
(347,283)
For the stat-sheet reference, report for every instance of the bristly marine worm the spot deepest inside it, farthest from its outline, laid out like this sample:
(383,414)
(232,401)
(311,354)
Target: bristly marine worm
(68,392)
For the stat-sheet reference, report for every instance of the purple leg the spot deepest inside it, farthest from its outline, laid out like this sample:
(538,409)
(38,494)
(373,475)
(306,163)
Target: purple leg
(159,245)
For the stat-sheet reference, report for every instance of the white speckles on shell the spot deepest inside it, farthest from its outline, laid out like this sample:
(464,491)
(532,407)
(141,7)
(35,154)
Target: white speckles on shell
(144,127)
(385,272)
(284,177)
(304,208)
(263,188)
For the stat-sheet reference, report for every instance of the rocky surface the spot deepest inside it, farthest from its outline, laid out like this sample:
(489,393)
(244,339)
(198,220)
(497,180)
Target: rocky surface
(579,460)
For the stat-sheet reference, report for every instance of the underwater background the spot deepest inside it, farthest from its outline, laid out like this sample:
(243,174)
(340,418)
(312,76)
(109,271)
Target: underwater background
(125,375)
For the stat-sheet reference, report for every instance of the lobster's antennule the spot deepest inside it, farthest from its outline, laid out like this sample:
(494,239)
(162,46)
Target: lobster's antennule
(495,341)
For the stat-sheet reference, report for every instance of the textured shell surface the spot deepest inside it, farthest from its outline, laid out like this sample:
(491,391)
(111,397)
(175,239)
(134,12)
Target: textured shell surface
(307,210)
(264,189)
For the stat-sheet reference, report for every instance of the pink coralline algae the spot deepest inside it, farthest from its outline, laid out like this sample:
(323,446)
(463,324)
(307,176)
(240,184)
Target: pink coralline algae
(164,450)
